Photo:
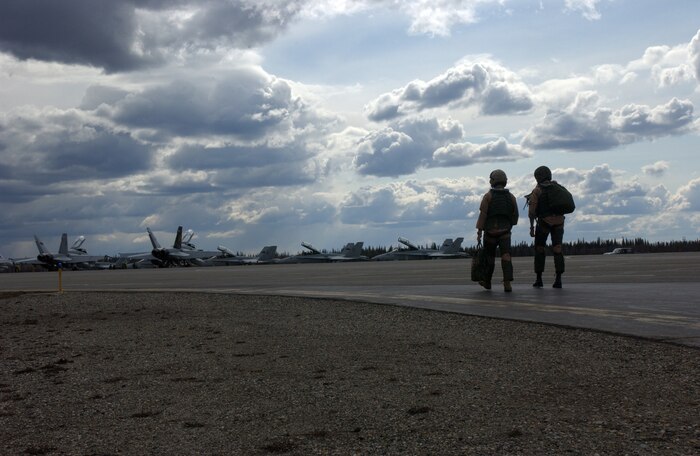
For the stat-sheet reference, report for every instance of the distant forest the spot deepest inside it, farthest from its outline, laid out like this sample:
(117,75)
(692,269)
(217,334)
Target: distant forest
(581,247)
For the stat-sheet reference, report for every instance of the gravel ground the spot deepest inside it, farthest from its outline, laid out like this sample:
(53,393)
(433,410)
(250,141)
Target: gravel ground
(182,374)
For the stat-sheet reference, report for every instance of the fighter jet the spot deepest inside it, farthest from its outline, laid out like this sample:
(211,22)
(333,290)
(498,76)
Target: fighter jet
(449,249)
(351,252)
(266,256)
(178,254)
(73,258)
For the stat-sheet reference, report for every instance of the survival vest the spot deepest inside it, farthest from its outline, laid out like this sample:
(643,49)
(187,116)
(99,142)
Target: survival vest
(500,215)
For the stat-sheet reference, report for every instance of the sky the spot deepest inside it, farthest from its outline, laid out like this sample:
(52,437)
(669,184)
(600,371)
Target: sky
(275,122)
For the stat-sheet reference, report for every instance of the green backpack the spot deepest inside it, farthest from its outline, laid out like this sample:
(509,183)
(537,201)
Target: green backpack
(561,201)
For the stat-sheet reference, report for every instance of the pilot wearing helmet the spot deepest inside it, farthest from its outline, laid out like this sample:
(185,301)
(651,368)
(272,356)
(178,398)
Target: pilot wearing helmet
(498,213)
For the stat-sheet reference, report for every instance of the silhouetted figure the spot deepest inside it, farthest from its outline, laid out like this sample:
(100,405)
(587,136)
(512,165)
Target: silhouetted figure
(498,213)
(550,222)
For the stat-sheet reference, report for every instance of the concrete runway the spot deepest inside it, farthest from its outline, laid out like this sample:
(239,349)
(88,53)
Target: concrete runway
(654,296)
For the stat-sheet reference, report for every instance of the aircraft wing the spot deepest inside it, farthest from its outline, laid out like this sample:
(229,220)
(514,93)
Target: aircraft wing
(448,255)
(179,254)
(78,259)
(137,256)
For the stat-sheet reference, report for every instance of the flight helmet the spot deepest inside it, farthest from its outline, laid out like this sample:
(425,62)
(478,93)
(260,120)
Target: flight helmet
(543,174)
(498,177)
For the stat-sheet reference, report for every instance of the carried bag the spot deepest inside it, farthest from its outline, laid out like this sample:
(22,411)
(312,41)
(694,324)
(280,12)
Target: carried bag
(561,201)
(479,264)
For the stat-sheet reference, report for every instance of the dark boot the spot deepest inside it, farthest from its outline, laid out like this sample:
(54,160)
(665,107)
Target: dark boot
(557,281)
(538,281)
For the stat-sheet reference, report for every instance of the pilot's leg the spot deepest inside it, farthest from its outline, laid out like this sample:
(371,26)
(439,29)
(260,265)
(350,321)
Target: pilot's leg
(541,234)
(557,241)
(490,245)
(506,263)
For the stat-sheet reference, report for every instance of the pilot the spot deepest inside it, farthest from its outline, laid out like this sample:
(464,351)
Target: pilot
(548,224)
(498,213)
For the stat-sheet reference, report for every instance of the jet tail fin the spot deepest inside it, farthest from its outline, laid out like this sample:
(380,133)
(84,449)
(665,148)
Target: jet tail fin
(40,245)
(63,249)
(356,250)
(267,253)
(154,241)
(347,250)
(178,238)
(450,246)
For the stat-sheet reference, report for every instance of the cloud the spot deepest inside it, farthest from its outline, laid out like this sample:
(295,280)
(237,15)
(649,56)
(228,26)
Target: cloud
(413,143)
(249,166)
(597,180)
(413,202)
(485,84)
(588,8)
(405,146)
(437,17)
(657,169)
(52,146)
(133,34)
(671,65)
(463,154)
(688,197)
(246,103)
(585,127)
(694,52)
(427,17)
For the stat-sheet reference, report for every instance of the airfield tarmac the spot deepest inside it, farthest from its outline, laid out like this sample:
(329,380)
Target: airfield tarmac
(209,362)
(652,296)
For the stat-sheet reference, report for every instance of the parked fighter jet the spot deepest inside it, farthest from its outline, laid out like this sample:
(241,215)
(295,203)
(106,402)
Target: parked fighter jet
(449,249)
(73,258)
(177,254)
(184,253)
(351,252)
(227,257)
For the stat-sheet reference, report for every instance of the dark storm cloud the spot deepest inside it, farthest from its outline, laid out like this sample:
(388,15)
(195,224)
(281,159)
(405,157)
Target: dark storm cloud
(581,128)
(209,158)
(97,33)
(130,34)
(248,103)
(485,84)
(56,146)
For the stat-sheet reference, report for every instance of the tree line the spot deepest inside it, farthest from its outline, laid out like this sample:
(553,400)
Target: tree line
(579,247)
